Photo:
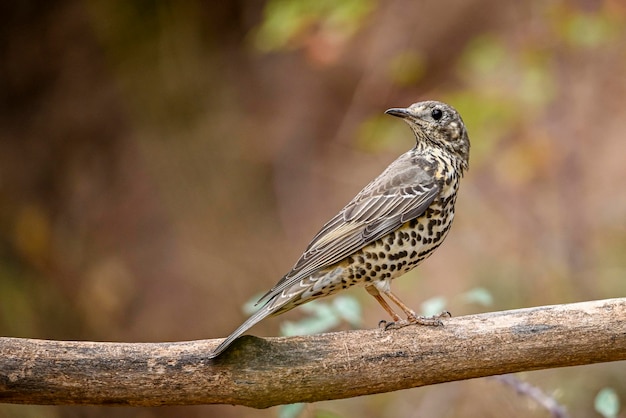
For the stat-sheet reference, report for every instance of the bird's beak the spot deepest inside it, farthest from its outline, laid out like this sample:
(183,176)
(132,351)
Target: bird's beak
(398,111)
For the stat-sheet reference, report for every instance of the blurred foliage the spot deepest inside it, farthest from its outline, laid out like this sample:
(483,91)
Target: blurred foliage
(507,86)
(407,68)
(438,304)
(286,22)
(479,296)
(379,133)
(300,409)
(32,234)
(319,316)
(291,411)
(433,306)
(607,403)
(587,29)
(18,316)
(323,317)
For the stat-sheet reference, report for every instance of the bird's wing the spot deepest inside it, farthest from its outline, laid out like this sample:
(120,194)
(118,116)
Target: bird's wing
(401,193)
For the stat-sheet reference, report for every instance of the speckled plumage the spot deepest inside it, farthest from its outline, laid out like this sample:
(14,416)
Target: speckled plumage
(391,226)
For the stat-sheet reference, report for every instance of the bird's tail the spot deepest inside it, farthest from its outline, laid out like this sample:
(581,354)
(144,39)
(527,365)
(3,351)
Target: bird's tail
(270,308)
(250,322)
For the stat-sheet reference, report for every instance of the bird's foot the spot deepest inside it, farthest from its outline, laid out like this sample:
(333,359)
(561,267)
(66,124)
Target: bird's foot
(431,321)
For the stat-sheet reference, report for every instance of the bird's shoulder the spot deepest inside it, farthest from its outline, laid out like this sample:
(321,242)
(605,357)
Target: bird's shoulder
(411,171)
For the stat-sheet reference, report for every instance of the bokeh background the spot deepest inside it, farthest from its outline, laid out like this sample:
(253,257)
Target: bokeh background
(162,162)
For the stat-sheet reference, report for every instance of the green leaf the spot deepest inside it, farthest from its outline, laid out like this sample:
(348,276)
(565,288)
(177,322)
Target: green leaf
(291,411)
(478,295)
(323,319)
(607,403)
(348,309)
(433,306)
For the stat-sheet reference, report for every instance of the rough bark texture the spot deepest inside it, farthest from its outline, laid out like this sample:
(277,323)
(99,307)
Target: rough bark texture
(265,372)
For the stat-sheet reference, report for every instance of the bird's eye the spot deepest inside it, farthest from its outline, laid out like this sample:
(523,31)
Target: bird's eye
(436,114)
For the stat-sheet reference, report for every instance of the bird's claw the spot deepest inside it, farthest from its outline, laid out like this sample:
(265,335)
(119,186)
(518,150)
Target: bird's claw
(396,325)
(387,325)
(432,321)
(445,314)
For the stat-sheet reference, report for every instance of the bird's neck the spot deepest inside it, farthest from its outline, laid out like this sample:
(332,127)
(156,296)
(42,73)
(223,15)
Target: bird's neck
(425,148)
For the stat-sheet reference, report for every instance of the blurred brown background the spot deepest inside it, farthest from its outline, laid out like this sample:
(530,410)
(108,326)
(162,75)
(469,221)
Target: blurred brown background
(162,162)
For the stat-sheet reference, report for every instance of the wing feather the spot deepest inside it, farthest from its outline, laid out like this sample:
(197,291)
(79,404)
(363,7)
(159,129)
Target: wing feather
(401,193)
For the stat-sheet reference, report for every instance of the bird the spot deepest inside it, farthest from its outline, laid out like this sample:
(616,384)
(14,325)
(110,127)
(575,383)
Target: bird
(391,226)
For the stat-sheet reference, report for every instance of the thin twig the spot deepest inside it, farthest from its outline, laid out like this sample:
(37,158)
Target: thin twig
(524,388)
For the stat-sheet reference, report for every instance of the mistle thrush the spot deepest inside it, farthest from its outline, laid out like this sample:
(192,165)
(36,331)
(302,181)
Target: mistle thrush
(391,226)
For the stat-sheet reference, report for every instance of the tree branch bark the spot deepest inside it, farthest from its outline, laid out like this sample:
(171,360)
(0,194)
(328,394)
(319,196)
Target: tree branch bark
(264,372)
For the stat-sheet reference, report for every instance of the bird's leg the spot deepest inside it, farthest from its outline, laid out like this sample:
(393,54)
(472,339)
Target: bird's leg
(374,292)
(412,317)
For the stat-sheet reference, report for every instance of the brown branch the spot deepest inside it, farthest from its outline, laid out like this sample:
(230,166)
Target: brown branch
(265,372)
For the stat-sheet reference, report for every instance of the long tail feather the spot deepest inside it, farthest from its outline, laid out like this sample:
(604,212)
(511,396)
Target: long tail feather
(267,310)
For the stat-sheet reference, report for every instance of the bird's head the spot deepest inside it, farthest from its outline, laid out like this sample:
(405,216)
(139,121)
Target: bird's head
(438,124)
